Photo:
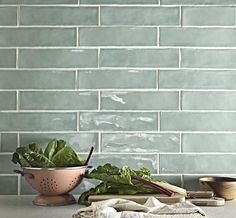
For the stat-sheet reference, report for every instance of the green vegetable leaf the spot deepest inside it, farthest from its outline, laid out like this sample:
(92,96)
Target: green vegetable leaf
(53,147)
(66,157)
(56,154)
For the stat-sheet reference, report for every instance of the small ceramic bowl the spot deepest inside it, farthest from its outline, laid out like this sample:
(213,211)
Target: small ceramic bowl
(224,187)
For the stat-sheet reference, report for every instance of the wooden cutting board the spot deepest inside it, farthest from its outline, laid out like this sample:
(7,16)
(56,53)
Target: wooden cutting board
(141,199)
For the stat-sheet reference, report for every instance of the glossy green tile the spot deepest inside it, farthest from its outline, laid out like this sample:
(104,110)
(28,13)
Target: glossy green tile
(36,79)
(191,182)
(118,36)
(7,58)
(8,16)
(197,79)
(139,58)
(25,188)
(140,2)
(140,142)
(104,79)
(140,16)
(209,100)
(7,166)
(58,100)
(129,121)
(204,16)
(135,161)
(59,16)
(37,121)
(8,142)
(57,58)
(37,37)
(8,185)
(7,100)
(174,180)
(206,37)
(81,142)
(198,121)
(139,100)
(208,58)
(197,2)
(39,2)
(197,163)
(209,142)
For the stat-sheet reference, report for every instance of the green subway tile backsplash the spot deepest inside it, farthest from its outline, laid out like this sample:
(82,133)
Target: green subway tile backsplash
(139,101)
(37,121)
(119,2)
(57,58)
(146,82)
(81,142)
(58,16)
(104,79)
(48,100)
(197,79)
(7,100)
(37,37)
(117,36)
(206,37)
(208,16)
(8,185)
(7,58)
(139,58)
(8,142)
(140,142)
(189,163)
(209,100)
(8,16)
(127,121)
(209,142)
(208,58)
(153,16)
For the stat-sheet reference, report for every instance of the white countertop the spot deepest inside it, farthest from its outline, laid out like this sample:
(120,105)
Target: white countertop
(22,207)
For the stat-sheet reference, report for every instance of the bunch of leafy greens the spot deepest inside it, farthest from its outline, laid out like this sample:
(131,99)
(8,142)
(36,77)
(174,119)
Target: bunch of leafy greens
(126,181)
(56,154)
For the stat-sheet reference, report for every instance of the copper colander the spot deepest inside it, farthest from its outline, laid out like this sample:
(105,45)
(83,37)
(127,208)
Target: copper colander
(54,184)
(53,181)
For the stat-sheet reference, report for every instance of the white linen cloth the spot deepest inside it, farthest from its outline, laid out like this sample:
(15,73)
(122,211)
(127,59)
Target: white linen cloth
(120,208)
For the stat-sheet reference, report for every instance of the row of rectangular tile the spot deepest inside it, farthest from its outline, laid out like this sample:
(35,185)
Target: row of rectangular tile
(118,121)
(117,100)
(117,36)
(129,142)
(162,2)
(164,163)
(9,184)
(104,79)
(151,16)
(119,58)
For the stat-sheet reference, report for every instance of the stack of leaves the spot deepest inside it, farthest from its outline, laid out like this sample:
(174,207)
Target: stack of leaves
(126,181)
(56,154)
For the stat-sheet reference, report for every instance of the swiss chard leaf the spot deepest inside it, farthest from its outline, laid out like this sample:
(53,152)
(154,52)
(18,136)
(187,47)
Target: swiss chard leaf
(66,157)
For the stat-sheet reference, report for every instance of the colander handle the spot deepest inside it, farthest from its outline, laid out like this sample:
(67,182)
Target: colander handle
(28,175)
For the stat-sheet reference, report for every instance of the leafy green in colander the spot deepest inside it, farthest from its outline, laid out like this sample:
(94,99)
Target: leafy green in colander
(56,154)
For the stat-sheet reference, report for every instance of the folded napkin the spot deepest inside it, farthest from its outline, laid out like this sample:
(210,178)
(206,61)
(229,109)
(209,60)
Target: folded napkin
(120,208)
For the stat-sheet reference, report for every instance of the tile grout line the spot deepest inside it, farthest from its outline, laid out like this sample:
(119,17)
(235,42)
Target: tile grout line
(180,16)
(157,79)
(99,142)
(18,16)
(158,36)
(159,121)
(181,142)
(78,122)
(77,37)
(99,15)
(76,79)
(158,163)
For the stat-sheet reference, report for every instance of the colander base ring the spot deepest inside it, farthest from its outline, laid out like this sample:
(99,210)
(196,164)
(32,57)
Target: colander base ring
(57,200)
